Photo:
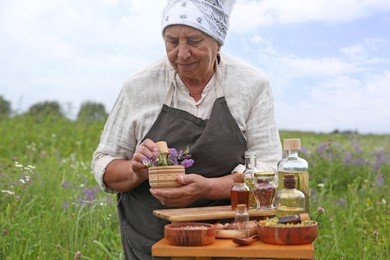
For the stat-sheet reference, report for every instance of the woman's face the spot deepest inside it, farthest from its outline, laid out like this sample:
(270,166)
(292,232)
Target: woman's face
(191,52)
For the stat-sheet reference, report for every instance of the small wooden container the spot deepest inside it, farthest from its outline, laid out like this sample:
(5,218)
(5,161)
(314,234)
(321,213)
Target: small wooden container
(288,234)
(190,234)
(165,176)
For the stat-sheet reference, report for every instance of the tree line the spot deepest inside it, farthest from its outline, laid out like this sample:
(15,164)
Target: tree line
(89,111)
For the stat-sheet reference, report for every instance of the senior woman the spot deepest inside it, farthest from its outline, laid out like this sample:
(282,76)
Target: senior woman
(218,106)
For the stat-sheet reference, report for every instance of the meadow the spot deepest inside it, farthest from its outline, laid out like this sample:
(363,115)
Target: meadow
(51,207)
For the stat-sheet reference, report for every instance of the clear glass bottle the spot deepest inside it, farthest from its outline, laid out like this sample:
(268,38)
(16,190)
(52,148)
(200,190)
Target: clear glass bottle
(293,164)
(241,217)
(289,201)
(250,170)
(239,193)
(265,190)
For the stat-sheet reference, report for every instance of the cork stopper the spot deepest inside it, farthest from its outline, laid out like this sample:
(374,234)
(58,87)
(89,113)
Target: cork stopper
(239,177)
(304,216)
(163,147)
(293,144)
(241,207)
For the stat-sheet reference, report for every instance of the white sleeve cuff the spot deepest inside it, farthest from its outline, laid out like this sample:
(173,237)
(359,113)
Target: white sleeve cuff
(99,165)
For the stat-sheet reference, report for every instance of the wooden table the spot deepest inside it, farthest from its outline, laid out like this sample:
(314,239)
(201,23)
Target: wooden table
(206,213)
(223,247)
(226,248)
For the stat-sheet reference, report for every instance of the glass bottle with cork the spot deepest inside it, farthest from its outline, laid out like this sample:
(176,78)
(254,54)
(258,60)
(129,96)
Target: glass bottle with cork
(289,201)
(250,170)
(293,164)
(241,217)
(239,193)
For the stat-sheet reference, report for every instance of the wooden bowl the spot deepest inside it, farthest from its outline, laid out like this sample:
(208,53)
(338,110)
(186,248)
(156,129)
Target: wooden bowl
(288,234)
(165,176)
(189,234)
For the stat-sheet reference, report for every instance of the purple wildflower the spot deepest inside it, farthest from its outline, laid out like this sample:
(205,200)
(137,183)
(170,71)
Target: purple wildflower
(321,210)
(323,147)
(173,157)
(380,158)
(380,179)
(341,203)
(358,148)
(90,194)
(66,184)
(187,163)
(347,158)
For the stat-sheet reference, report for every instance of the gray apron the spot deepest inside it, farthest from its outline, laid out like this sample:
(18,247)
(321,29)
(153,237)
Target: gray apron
(217,147)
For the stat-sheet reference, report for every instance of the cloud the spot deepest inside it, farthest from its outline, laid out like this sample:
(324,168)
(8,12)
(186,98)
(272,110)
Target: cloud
(75,51)
(342,103)
(57,49)
(249,15)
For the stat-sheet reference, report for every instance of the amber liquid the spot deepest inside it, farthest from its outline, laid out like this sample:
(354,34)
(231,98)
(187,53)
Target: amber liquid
(302,184)
(239,197)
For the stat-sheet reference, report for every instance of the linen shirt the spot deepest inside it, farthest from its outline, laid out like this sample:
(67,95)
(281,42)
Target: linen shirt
(246,91)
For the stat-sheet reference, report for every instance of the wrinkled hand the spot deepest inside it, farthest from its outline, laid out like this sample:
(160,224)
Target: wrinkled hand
(144,149)
(193,188)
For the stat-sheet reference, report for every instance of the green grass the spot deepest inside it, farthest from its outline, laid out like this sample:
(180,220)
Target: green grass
(57,209)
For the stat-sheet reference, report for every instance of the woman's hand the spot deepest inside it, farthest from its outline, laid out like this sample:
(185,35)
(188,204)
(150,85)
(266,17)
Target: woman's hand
(145,149)
(194,187)
(124,175)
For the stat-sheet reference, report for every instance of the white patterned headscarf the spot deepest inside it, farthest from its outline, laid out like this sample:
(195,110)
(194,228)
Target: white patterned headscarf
(208,16)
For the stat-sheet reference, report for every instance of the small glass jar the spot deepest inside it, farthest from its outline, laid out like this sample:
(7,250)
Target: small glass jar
(265,190)
(239,193)
(241,217)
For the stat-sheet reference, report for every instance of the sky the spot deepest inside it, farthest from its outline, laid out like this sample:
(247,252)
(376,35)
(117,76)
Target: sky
(328,62)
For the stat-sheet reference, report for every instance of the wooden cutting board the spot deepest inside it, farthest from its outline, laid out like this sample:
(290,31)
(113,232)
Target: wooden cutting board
(205,213)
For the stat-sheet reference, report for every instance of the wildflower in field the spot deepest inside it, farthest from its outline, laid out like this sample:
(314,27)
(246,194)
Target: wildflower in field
(375,234)
(380,179)
(304,151)
(379,155)
(320,185)
(347,158)
(341,202)
(4,232)
(18,165)
(88,195)
(319,213)
(66,184)
(358,148)
(77,255)
(8,192)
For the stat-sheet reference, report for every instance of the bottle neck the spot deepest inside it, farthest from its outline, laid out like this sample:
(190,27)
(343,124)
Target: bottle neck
(292,153)
(250,162)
